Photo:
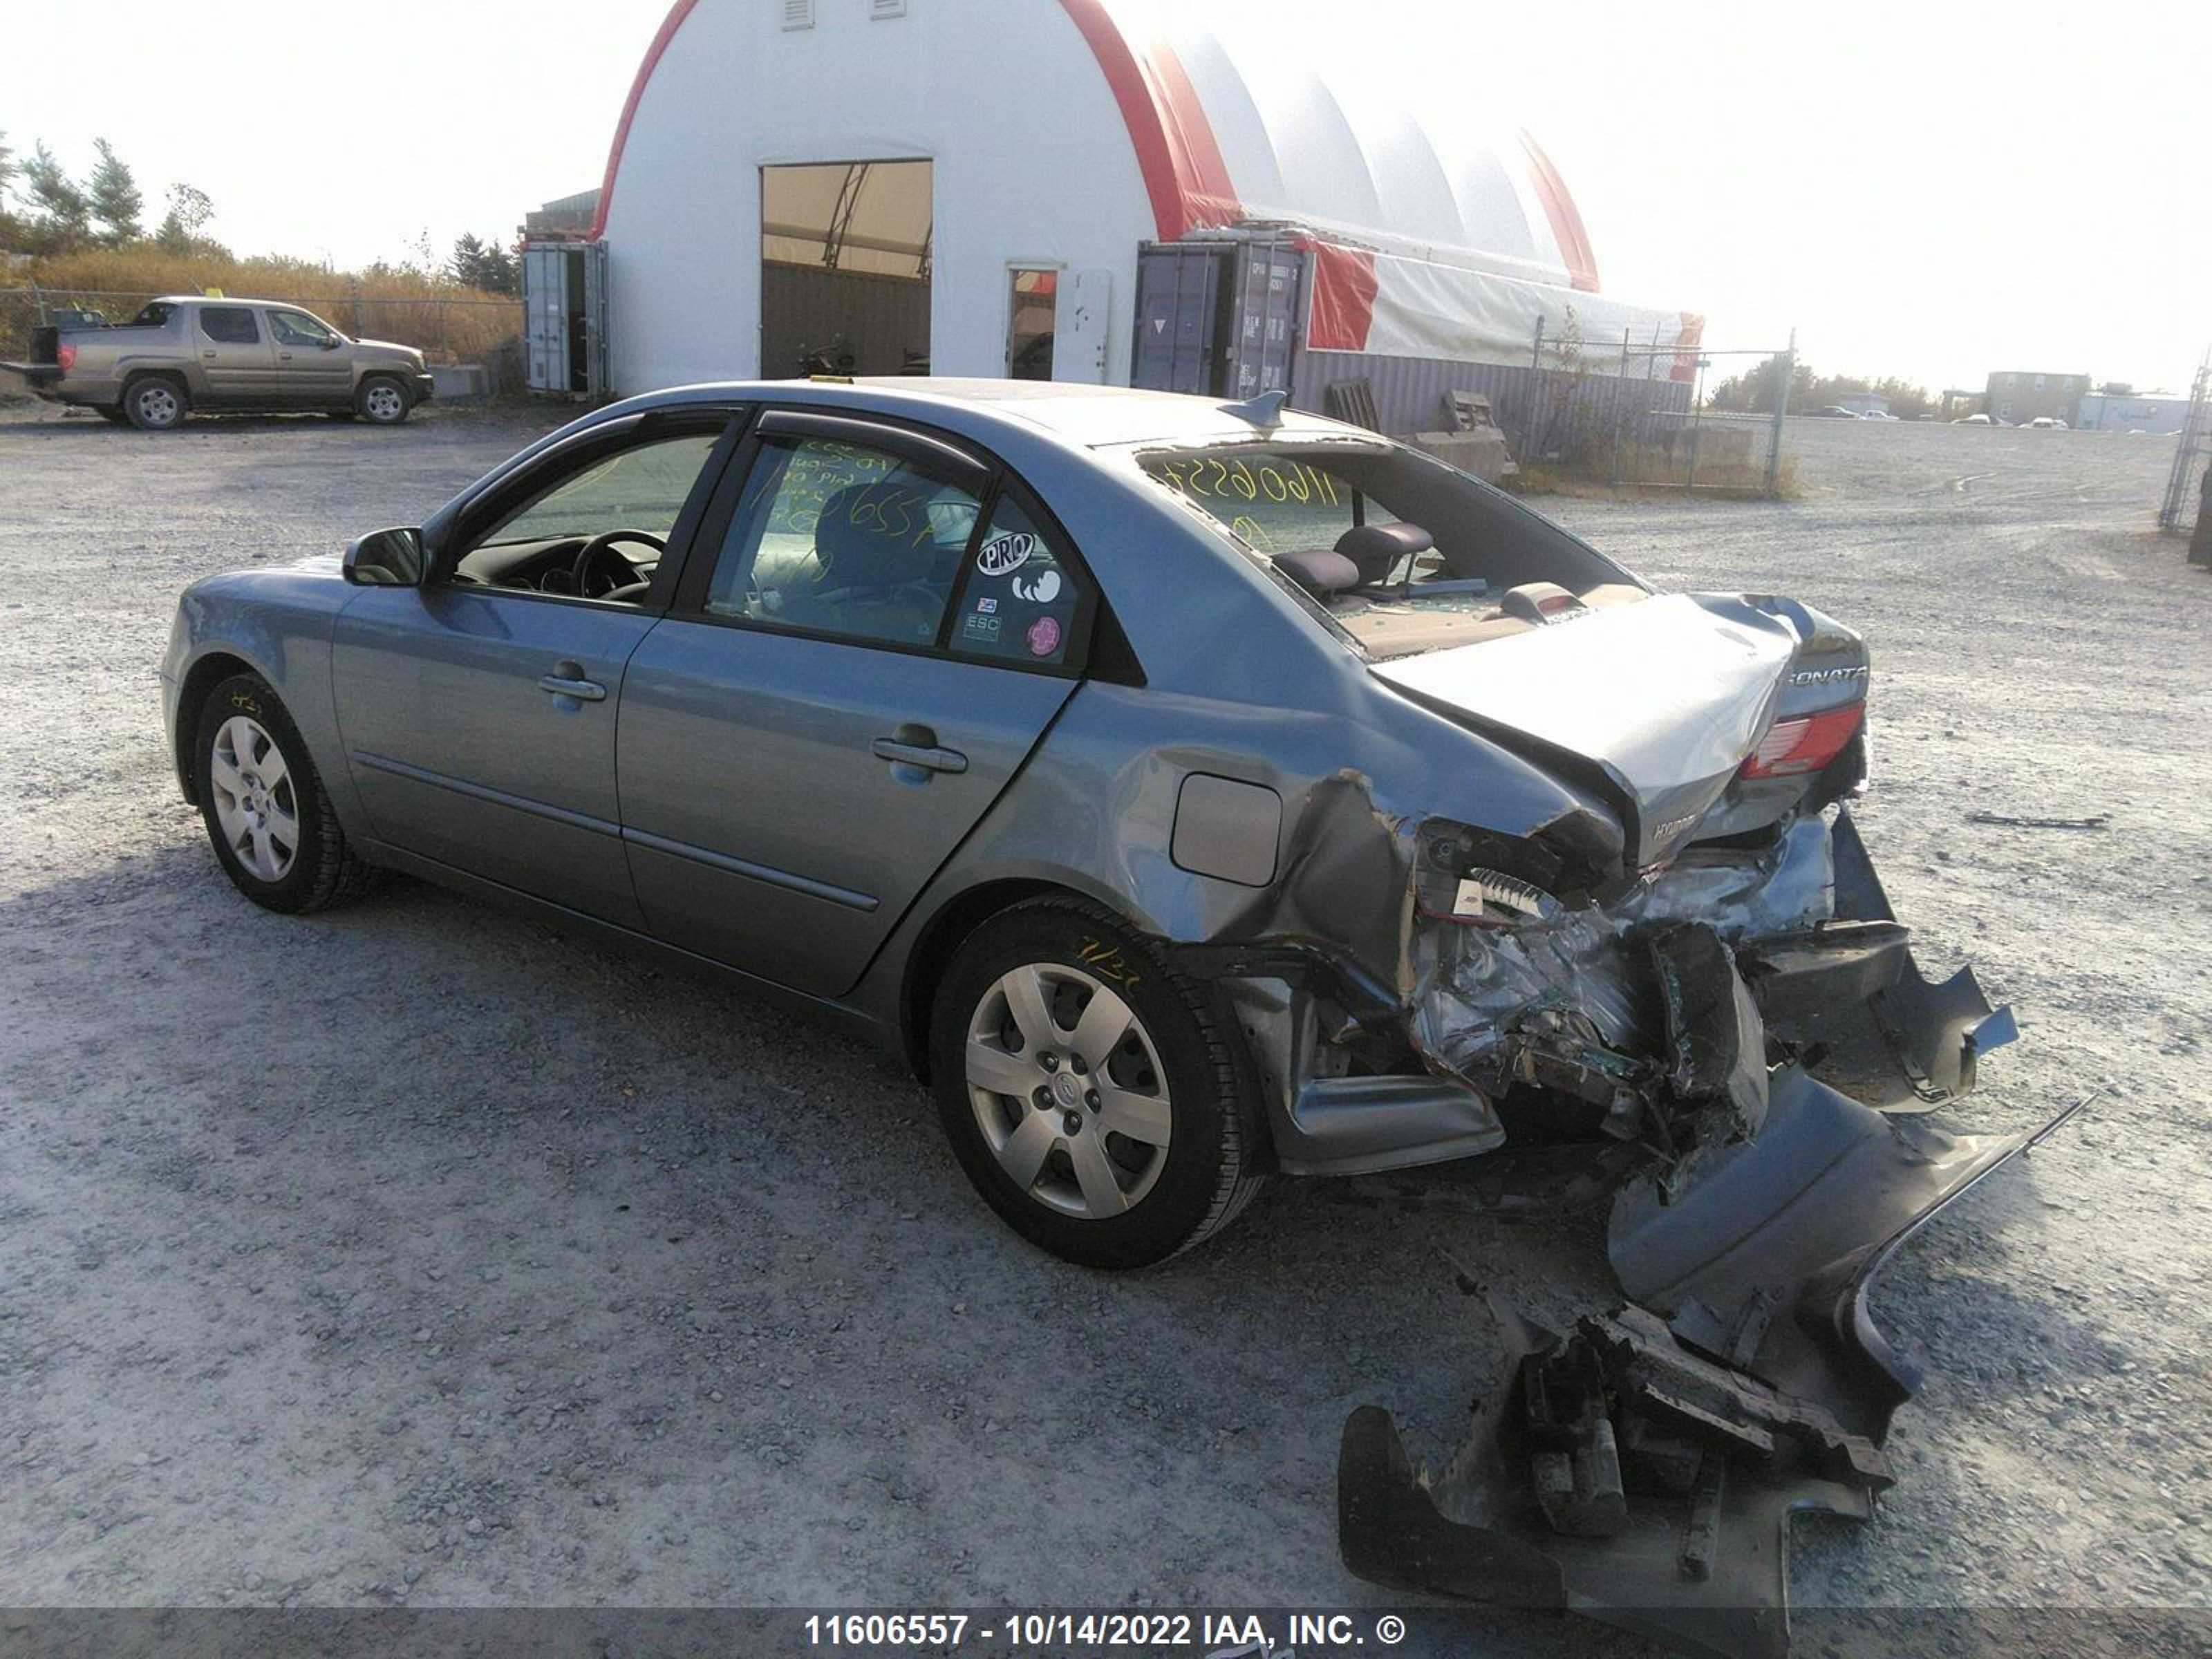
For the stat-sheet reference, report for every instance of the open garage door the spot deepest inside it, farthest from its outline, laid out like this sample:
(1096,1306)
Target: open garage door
(845,268)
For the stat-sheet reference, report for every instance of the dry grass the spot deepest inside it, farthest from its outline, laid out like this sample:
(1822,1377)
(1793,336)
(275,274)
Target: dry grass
(414,307)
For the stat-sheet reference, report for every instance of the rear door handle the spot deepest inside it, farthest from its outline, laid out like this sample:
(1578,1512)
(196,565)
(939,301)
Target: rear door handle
(566,680)
(930,759)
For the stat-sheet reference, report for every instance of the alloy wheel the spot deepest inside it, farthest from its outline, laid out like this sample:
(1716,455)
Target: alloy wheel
(1068,1089)
(256,803)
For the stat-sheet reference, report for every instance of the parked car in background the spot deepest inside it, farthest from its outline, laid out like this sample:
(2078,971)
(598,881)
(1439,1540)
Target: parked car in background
(1979,420)
(2046,423)
(191,352)
(1833,412)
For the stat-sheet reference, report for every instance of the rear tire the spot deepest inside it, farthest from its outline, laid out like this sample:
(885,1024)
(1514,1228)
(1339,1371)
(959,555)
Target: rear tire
(266,812)
(381,401)
(1115,1133)
(154,403)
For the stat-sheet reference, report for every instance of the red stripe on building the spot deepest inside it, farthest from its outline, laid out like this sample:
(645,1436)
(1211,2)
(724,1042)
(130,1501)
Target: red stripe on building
(1566,224)
(1343,309)
(1184,175)
(669,25)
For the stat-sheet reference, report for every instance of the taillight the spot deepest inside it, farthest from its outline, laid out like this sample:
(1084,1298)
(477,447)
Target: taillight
(66,356)
(1803,744)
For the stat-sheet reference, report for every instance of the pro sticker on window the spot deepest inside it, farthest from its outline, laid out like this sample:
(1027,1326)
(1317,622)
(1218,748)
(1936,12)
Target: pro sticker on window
(1001,555)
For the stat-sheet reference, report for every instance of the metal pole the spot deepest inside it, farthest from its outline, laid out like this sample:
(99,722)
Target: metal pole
(1697,418)
(1781,409)
(1535,440)
(1620,407)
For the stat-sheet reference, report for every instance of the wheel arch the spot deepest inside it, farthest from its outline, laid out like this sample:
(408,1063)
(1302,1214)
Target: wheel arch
(209,671)
(943,934)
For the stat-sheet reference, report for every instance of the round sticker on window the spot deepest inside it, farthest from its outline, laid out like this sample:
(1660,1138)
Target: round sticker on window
(1043,636)
(1002,556)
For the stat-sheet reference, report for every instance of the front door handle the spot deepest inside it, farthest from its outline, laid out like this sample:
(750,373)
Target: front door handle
(928,756)
(566,680)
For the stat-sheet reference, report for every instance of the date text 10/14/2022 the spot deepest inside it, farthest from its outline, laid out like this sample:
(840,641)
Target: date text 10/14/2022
(1215,1635)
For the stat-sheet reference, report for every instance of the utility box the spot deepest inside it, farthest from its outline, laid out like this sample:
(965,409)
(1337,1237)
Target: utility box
(564,318)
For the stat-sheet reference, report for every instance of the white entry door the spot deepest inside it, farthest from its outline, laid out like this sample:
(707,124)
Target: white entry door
(1079,325)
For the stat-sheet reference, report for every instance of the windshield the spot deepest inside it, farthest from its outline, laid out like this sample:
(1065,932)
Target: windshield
(1397,551)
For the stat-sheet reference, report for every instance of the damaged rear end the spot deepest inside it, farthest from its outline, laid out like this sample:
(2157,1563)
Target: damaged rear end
(1734,1007)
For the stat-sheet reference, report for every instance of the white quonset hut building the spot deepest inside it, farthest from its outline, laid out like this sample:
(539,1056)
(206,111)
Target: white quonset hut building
(1114,190)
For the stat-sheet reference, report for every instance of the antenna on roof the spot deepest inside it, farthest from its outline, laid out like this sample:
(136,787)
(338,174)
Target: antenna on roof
(1264,412)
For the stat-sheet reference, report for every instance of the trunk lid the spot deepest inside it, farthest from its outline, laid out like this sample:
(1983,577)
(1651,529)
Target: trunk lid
(1657,702)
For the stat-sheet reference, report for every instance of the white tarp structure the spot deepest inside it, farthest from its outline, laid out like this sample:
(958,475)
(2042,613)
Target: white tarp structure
(1063,134)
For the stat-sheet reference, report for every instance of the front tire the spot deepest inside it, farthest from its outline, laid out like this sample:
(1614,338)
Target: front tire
(1089,1091)
(153,402)
(262,802)
(381,401)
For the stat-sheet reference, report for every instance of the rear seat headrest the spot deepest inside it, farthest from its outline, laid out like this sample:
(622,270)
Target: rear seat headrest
(1320,574)
(1379,549)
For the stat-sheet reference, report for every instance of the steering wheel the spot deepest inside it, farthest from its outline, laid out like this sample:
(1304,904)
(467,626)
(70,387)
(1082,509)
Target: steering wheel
(600,572)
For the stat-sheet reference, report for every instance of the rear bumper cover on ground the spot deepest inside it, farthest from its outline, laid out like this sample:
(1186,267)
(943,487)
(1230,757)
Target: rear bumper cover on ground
(1644,1468)
(1689,1443)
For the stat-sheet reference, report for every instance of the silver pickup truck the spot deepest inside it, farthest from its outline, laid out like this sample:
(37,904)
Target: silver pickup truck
(187,352)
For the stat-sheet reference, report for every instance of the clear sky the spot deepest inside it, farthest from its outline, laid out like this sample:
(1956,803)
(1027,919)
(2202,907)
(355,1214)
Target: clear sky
(1931,190)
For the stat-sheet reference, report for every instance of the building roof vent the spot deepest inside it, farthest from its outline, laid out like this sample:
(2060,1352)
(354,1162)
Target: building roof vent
(880,10)
(798,14)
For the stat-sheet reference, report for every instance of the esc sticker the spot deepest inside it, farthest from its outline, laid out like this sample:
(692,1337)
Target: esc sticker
(1004,555)
(1043,636)
(980,627)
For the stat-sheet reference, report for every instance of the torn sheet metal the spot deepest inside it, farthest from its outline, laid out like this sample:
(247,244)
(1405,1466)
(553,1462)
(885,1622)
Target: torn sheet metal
(1644,1471)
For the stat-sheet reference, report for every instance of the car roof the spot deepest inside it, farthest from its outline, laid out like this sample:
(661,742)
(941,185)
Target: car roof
(222,300)
(1093,416)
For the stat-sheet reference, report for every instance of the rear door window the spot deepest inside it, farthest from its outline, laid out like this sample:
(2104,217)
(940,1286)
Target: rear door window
(230,324)
(1023,599)
(844,540)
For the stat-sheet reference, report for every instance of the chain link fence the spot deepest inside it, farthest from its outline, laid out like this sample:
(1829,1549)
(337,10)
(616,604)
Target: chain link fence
(2192,455)
(1618,415)
(465,327)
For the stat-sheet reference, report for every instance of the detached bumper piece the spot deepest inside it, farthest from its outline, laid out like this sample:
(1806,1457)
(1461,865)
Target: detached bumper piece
(1644,1469)
(1850,994)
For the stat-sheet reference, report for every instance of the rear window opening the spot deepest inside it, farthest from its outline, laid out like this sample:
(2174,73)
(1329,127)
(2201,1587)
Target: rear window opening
(1395,551)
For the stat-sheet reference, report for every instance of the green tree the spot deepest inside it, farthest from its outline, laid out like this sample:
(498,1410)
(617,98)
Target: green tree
(63,215)
(181,227)
(481,264)
(112,196)
(10,229)
(1754,391)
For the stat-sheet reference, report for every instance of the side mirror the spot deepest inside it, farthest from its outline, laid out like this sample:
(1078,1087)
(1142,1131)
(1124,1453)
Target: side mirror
(385,558)
(332,344)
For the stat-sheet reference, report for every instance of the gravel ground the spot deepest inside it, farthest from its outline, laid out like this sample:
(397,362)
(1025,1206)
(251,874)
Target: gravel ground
(420,1255)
